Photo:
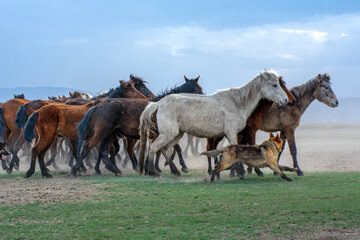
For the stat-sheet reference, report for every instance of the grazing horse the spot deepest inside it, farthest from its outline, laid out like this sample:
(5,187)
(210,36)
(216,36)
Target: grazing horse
(119,117)
(20,96)
(287,118)
(62,119)
(9,133)
(223,113)
(248,134)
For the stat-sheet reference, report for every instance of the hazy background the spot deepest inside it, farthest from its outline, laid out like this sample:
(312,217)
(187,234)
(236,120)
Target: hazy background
(90,45)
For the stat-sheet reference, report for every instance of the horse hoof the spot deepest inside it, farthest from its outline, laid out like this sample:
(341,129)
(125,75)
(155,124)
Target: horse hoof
(185,170)
(300,173)
(28,174)
(241,177)
(158,170)
(16,167)
(118,174)
(47,175)
(97,172)
(8,171)
(261,175)
(73,172)
(289,179)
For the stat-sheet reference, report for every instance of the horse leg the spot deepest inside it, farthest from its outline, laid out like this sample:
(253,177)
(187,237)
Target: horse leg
(104,149)
(127,157)
(97,166)
(95,140)
(196,147)
(44,170)
(157,160)
(130,150)
(15,159)
(160,142)
(189,139)
(167,152)
(209,146)
(290,135)
(53,148)
(184,168)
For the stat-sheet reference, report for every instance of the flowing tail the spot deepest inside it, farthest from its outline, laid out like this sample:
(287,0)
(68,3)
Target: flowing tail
(213,153)
(30,127)
(83,127)
(21,117)
(145,125)
(2,124)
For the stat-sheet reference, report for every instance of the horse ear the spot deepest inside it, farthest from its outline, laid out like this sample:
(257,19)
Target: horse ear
(70,94)
(122,82)
(197,79)
(186,78)
(262,75)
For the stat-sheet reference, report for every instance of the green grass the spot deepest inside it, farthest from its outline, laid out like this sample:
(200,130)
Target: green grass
(134,207)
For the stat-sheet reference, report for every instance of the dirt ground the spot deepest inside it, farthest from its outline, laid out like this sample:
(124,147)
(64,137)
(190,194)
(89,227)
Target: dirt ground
(320,148)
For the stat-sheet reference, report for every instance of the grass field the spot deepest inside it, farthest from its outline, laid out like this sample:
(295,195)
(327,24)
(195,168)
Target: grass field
(316,206)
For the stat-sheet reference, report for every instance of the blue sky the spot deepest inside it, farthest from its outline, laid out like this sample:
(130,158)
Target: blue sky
(90,45)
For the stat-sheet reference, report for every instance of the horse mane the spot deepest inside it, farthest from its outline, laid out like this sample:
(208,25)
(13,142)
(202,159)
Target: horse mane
(187,87)
(117,91)
(134,79)
(301,90)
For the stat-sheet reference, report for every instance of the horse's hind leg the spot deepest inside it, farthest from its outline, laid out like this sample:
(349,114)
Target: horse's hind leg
(168,150)
(184,168)
(130,150)
(44,170)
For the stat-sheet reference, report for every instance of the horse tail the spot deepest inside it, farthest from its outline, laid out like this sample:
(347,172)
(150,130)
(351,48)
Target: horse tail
(145,126)
(83,127)
(30,127)
(21,117)
(213,153)
(2,124)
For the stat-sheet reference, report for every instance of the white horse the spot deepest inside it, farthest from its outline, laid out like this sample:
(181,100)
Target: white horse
(223,113)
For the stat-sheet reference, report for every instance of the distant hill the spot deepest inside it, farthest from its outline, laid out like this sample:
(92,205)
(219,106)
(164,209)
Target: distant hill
(348,110)
(33,93)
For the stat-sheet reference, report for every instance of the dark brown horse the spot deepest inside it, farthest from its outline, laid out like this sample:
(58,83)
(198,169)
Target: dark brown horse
(62,119)
(253,124)
(19,96)
(287,118)
(118,117)
(9,133)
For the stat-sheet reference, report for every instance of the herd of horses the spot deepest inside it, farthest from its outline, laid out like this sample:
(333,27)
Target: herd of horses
(95,127)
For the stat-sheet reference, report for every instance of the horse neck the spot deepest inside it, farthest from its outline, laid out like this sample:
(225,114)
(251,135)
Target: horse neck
(246,97)
(306,97)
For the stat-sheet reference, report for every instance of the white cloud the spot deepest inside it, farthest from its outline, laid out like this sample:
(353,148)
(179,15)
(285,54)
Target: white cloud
(291,41)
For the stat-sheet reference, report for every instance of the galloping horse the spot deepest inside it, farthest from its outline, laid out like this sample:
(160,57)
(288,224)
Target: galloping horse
(253,123)
(9,133)
(287,118)
(222,114)
(55,119)
(118,117)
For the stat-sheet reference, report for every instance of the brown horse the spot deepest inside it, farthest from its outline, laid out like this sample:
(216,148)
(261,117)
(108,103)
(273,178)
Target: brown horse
(9,133)
(287,118)
(253,124)
(62,119)
(118,117)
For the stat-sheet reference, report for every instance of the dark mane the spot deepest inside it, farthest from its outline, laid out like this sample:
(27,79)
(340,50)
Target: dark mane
(190,86)
(136,79)
(107,94)
(119,91)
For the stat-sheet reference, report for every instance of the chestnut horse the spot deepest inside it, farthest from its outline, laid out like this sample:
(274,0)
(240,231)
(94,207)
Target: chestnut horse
(62,119)
(9,133)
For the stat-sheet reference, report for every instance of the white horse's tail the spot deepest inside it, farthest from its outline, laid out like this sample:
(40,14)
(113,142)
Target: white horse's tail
(144,128)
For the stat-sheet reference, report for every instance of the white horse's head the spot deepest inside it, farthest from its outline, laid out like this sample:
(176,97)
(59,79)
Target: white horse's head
(270,87)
